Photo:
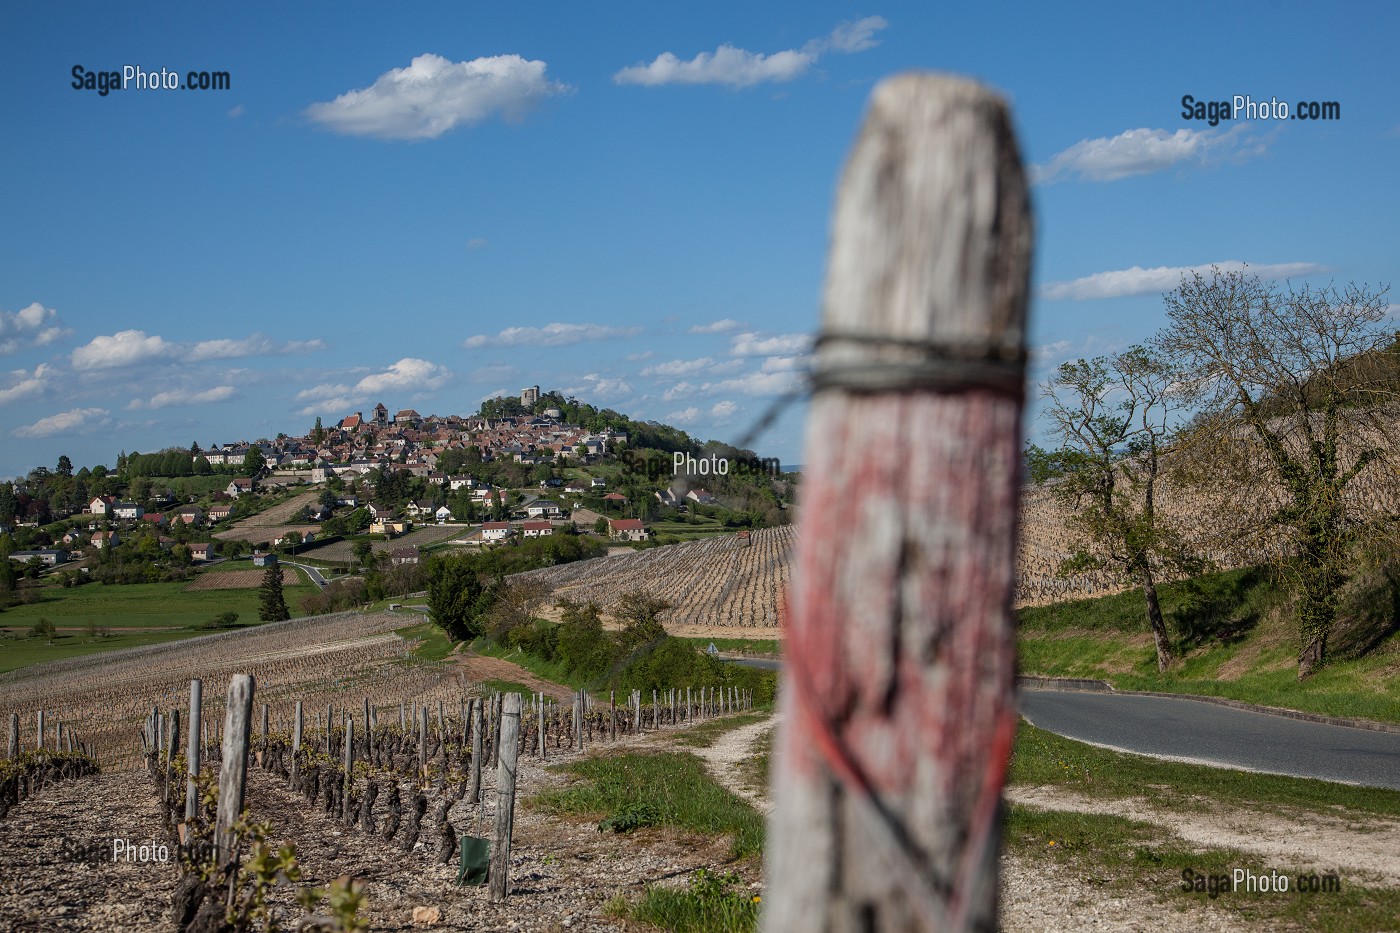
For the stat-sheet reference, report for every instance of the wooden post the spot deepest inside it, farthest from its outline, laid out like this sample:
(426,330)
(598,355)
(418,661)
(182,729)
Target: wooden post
(329,721)
(172,746)
(612,699)
(264,727)
(898,696)
(422,740)
(296,742)
(499,872)
(233,773)
(349,769)
(14,736)
(543,753)
(193,751)
(478,747)
(40,742)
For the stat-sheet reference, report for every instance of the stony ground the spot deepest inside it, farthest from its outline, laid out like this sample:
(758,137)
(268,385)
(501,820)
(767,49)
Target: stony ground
(564,872)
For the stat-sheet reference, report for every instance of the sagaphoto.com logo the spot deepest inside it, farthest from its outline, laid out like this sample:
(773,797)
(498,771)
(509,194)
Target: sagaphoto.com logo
(135,77)
(1246,107)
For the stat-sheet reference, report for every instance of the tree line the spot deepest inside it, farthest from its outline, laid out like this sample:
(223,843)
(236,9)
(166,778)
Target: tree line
(1252,392)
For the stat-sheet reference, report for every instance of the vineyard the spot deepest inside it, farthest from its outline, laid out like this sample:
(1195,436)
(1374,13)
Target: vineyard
(342,552)
(719,582)
(263,812)
(237,580)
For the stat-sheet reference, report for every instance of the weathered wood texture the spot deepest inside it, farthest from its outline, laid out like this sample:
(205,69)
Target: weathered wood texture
(233,772)
(509,736)
(898,705)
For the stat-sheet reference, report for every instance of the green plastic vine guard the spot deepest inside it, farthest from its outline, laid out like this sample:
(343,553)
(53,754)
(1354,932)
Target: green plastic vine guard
(475,859)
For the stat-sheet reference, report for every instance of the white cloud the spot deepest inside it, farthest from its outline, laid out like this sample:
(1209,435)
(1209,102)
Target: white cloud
(723,410)
(684,416)
(678,390)
(124,348)
(407,376)
(857,36)
(433,95)
(1143,151)
(73,421)
(235,112)
(751,344)
(738,67)
(253,345)
(27,384)
(679,367)
(758,384)
(131,347)
(601,388)
(638,357)
(782,364)
(478,242)
(33,326)
(185,397)
(550,335)
(716,327)
(1121,283)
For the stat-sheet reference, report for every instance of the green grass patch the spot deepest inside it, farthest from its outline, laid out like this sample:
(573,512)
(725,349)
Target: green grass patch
(706,733)
(1235,638)
(22,652)
(433,643)
(1042,758)
(656,789)
(739,645)
(712,903)
(509,686)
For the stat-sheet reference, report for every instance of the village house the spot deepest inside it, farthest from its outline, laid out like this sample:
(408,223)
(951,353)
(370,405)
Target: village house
(239,487)
(536,529)
(404,555)
(101,506)
(701,496)
(443,514)
(218,513)
(495,531)
(190,515)
(105,539)
(46,556)
(264,559)
(202,551)
(627,529)
(127,511)
(542,508)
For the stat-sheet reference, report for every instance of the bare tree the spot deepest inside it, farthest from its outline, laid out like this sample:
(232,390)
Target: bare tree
(1297,395)
(1114,416)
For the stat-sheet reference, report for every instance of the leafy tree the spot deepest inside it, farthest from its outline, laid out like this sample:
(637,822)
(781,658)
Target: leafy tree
(1297,400)
(65,466)
(254,462)
(516,603)
(456,597)
(1113,416)
(272,605)
(44,629)
(600,526)
(364,552)
(639,614)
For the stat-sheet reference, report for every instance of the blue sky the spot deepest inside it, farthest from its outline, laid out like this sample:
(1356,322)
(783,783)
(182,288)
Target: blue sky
(428,204)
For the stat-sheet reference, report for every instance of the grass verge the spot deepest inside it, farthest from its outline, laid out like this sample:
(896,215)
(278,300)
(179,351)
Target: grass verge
(631,790)
(712,904)
(1235,637)
(706,733)
(433,643)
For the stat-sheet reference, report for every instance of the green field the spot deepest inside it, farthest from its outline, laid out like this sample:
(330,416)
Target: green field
(137,614)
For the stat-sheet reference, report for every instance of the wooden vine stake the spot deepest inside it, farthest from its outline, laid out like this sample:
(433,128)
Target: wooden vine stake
(234,771)
(499,872)
(898,701)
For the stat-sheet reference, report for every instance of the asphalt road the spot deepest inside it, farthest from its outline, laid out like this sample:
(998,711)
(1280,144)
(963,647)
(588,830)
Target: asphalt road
(1190,730)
